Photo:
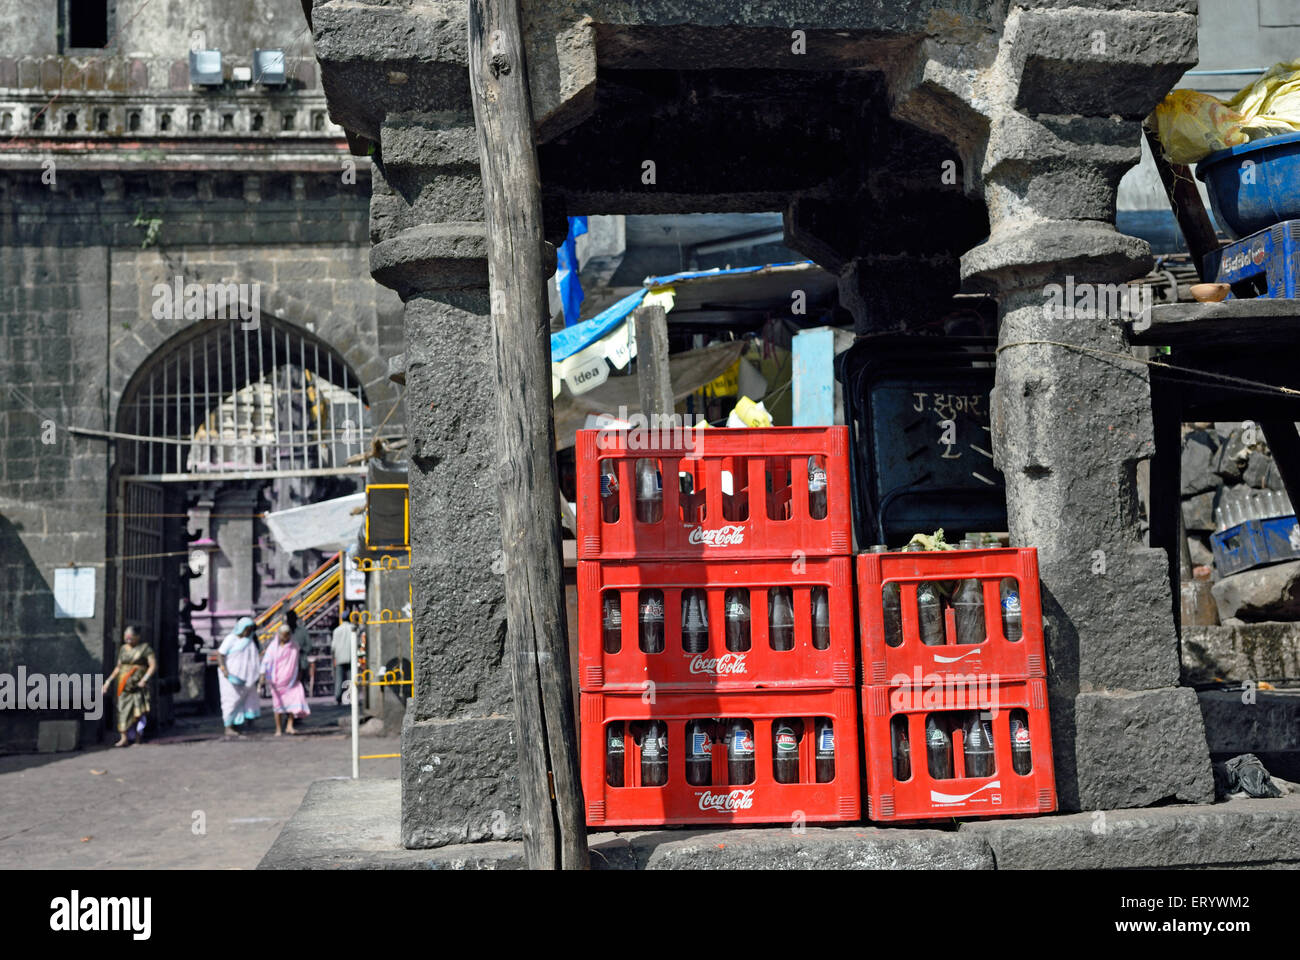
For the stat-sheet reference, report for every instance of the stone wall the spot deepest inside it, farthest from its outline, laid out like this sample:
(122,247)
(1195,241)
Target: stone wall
(75,313)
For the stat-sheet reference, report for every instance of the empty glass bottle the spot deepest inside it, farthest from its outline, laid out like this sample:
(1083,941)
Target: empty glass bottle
(695,622)
(780,618)
(821,619)
(977,747)
(612,625)
(929,607)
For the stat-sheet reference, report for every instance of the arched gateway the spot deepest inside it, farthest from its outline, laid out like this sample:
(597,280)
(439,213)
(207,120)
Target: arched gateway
(225,421)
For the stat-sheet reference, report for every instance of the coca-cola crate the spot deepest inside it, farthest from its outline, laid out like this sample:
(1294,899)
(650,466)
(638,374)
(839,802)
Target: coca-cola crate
(892,649)
(957,787)
(615,784)
(673,659)
(725,494)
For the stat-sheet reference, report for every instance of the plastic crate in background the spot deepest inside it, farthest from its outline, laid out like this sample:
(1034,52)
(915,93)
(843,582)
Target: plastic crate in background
(614,775)
(896,721)
(672,658)
(1254,544)
(892,647)
(725,494)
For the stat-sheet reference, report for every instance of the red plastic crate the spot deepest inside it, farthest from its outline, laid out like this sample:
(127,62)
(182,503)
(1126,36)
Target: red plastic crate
(717,668)
(922,796)
(706,524)
(762,801)
(912,660)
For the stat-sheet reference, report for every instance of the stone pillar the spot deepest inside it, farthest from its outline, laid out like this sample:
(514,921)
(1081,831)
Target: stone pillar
(458,752)
(1072,417)
(397,78)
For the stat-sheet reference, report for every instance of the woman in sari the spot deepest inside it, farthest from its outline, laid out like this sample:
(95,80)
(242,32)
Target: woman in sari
(280,664)
(136,665)
(239,661)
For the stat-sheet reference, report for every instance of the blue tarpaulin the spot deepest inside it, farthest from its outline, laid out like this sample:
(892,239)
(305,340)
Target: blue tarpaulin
(565,343)
(566,272)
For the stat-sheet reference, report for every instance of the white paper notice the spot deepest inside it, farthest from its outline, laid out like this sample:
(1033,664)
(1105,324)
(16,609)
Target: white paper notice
(74,592)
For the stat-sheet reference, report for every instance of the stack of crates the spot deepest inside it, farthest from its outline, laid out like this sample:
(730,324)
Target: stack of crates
(954,696)
(716,627)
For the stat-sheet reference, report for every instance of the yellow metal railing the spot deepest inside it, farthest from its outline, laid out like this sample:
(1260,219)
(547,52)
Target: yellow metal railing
(317,591)
(363,675)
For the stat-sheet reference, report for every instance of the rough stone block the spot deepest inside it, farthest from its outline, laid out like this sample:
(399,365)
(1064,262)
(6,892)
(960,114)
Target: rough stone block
(432,256)
(1198,511)
(1242,651)
(1264,593)
(459,781)
(1138,749)
(1101,62)
(1200,450)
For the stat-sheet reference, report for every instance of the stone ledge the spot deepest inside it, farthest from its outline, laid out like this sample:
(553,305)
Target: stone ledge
(356,825)
(1231,834)
(353,824)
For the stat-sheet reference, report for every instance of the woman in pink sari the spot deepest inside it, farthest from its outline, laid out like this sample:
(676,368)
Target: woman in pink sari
(280,665)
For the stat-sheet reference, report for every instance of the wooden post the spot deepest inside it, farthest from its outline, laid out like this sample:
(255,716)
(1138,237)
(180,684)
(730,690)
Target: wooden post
(555,832)
(1284,444)
(1185,200)
(654,385)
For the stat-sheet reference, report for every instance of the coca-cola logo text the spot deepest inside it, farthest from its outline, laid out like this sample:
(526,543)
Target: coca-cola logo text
(715,666)
(727,536)
(722,802)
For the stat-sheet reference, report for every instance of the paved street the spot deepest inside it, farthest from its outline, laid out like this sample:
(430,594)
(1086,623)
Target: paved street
(143,806)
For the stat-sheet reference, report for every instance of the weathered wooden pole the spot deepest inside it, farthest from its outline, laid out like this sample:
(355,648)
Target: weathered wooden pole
(654,385)
(555,833)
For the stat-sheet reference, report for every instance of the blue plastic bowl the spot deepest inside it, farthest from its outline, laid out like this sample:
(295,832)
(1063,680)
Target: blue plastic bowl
(1255,185)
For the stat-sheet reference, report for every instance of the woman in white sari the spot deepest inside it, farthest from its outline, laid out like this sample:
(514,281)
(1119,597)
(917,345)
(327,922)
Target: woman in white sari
(239,661)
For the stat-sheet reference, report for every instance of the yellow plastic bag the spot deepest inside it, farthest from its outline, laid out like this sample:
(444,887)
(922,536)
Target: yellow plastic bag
(1191,125)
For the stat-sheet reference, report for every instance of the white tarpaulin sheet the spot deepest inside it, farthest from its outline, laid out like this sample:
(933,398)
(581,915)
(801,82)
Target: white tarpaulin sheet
(330,525)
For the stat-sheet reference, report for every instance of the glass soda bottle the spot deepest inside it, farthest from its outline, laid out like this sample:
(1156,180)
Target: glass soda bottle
(938,748)
(652,621)
(608,492)
(695,622)
(821,619)
(740,752)
(737,602)
(929,607)
(824,754)
(649,492)
(968,607)
(1009,590)
(816,489)
(614,754)
(612,624)
(901,750)
(699,753)
(785,750)
(892,601)
(977,747)
(1022,749)
(780,618)
(654,755)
